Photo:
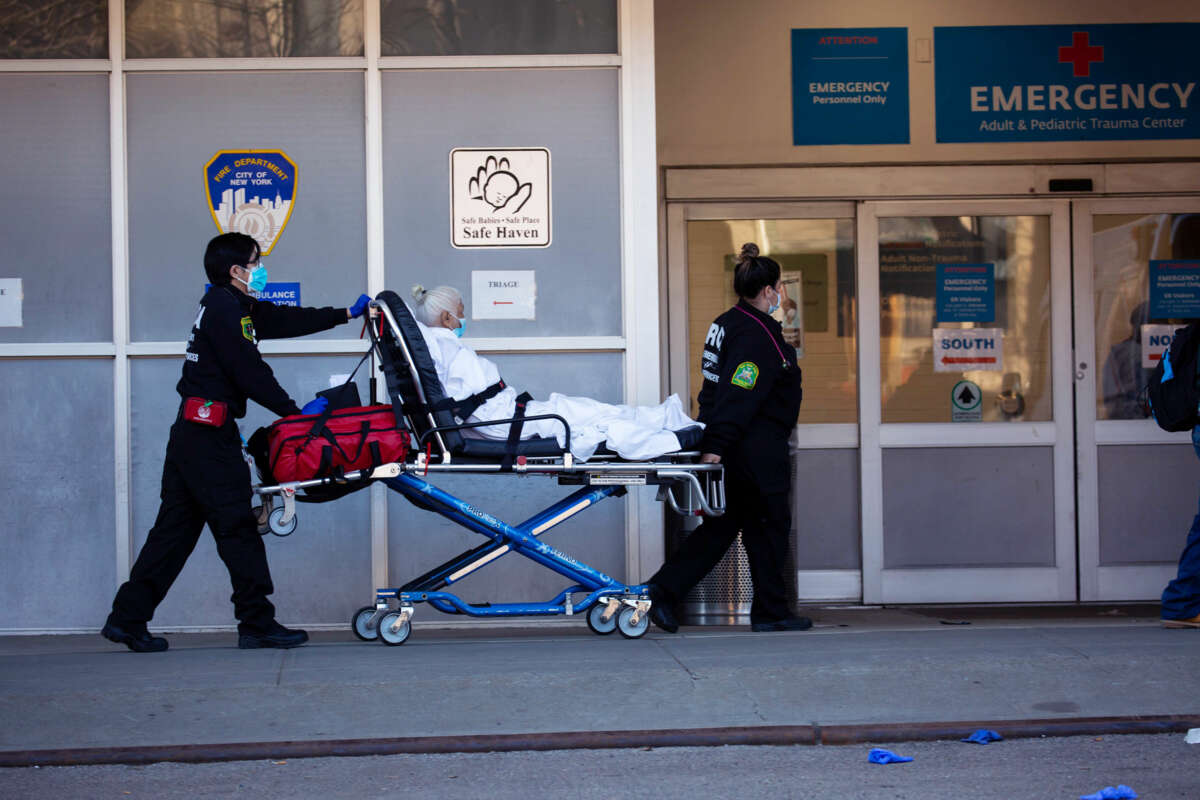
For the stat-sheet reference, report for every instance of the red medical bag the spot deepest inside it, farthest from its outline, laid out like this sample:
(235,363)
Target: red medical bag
(303,447)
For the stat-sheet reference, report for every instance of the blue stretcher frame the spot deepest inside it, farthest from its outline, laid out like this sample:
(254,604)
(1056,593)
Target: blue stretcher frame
(522,538)
(625,607)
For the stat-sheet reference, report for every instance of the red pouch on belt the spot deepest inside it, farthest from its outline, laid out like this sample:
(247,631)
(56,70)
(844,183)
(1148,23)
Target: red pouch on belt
(205,412)
(310,446)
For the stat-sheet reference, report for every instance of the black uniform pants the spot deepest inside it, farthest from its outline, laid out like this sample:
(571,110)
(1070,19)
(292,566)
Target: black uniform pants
(765,521)
(205,480)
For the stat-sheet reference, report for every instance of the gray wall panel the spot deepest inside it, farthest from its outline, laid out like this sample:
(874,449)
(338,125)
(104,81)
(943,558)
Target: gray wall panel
(971,506)
(1147,502)
(825,509)
(57,539)
(571,112)
(178,122)
(321,573)
(55,198)
(420,540)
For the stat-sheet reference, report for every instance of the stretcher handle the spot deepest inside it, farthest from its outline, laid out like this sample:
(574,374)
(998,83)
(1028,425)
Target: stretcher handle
(412,366)
(490,422)
(690,477)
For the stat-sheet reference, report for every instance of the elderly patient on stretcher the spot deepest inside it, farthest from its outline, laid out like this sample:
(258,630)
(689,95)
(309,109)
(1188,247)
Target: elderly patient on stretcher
(633,432)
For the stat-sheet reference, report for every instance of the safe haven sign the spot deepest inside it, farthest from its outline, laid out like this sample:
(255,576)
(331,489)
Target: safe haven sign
(1042,83)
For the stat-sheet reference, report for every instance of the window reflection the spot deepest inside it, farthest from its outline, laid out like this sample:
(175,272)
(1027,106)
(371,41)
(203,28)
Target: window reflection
(1122,247)
(910,250)
(485,27)
(817,261)
(243,28)
(37,29)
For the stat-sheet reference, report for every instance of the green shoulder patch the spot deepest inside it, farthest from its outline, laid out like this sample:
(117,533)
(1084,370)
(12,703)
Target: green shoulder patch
(248,329)
(746,375)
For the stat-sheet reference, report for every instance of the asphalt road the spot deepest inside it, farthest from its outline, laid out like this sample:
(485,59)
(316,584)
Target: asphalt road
(1156,767)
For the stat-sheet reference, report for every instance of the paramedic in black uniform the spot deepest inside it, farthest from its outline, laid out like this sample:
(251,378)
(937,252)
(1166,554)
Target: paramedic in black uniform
(748,402)
(205,478)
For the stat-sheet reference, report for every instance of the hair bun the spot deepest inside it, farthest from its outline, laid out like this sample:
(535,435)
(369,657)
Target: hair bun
(749,250)
(418,291)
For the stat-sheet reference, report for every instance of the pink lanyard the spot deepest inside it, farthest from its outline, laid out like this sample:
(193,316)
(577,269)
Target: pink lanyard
(768,333)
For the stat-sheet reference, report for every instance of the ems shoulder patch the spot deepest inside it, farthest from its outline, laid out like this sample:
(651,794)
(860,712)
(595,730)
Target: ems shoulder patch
(746,375)
(248,329)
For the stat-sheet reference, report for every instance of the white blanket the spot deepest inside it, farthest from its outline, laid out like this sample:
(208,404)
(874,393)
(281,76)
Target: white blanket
(634,432)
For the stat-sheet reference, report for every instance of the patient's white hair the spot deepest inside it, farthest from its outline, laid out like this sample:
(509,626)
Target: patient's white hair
(430,303)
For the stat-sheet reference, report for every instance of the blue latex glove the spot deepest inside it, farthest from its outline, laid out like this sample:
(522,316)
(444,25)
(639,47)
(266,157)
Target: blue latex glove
(880,756)
(983,736)
(315,406)
(1121,792)
(360,305)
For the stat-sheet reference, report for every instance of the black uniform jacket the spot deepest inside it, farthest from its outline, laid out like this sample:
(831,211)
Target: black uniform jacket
(750,397)
(223,362)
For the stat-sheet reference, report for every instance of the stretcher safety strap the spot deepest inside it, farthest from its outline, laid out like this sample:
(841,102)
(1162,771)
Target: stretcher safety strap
(462,409)
(514,432)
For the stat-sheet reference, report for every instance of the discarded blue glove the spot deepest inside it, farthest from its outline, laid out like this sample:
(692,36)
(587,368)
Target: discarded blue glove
(315,406)
(360,305)
(880,756)
(983,736)
(1121,792)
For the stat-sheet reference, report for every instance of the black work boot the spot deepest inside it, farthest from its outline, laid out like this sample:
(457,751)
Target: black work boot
(138,640)
(660,610)
(275,635)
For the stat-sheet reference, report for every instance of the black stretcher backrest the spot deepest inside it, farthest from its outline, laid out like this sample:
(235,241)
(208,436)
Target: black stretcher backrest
(426,372)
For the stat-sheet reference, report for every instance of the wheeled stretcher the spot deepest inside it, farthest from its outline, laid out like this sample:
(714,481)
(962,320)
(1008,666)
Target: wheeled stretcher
(442,445)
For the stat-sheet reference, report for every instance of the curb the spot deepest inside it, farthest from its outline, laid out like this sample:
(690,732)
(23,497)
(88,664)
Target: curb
(770,735)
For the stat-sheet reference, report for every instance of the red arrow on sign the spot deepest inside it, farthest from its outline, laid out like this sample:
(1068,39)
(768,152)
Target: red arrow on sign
(976,360)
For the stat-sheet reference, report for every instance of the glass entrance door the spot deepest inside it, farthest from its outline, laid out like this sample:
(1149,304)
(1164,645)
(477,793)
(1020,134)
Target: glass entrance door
(814,244)
(971,429)
(965,402)
(1137,483)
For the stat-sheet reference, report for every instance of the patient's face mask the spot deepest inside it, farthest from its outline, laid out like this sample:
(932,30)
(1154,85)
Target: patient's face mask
(462,326)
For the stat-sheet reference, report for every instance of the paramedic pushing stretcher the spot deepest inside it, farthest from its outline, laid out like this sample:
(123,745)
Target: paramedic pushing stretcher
(749,402)
(205,478)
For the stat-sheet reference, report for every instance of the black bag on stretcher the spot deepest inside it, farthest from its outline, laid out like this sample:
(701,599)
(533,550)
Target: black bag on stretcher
(328,445)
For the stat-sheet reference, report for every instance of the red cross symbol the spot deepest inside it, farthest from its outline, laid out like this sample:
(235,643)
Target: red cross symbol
(1080,54)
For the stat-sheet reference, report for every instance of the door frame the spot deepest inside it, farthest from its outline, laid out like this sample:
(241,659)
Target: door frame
(1098,582)
(698,192)
(966,584)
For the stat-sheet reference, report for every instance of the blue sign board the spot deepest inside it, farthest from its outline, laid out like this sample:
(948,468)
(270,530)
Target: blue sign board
(966,292)
(251,192)
(1052,83)
(281,294)
(849,86)
(1175,289)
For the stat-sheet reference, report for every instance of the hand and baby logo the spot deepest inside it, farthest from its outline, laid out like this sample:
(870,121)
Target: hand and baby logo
(500,197)
(495,184)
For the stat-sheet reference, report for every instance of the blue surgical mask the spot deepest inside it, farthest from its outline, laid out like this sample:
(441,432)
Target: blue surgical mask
(462,326)
(771,309)
(258,278)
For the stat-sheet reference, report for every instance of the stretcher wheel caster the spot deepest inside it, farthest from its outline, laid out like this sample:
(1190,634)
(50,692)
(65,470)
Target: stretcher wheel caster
(277,527)
(627,628)
(397,637)
(596,622)
(361,624)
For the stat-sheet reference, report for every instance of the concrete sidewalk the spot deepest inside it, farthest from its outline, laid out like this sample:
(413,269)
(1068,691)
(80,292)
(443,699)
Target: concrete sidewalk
(870,669)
